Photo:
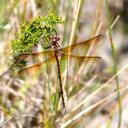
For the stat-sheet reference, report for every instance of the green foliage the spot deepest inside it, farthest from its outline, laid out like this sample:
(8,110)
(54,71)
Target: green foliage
(31,33)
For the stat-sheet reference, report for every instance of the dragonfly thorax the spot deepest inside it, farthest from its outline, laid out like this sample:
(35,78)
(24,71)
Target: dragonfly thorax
(56,47)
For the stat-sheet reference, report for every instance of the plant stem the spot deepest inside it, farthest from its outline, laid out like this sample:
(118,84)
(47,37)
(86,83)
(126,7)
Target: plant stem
(75,20)
(115,63)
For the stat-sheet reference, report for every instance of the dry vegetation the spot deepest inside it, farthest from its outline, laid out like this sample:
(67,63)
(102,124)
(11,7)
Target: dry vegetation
(95,92)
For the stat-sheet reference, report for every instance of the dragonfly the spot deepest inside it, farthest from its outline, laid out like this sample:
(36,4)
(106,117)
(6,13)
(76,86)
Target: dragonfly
(56,52)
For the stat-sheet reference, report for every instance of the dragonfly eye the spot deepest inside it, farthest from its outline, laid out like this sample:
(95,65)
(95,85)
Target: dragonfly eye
(55,38)
(58,38)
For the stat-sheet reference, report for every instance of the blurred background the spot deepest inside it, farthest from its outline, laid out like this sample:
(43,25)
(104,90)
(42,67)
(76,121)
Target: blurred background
(95,92)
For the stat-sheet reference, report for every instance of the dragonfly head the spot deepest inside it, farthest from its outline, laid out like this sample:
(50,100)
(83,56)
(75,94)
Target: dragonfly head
(55,39)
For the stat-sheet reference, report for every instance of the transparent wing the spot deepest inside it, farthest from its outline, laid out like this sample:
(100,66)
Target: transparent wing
(82,47)
(35,67)
(75,49)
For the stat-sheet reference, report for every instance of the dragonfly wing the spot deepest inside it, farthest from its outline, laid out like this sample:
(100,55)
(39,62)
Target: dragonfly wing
(46,54)
(81,58)
(36,68)
(82,47)
(64,57)
(74,49)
